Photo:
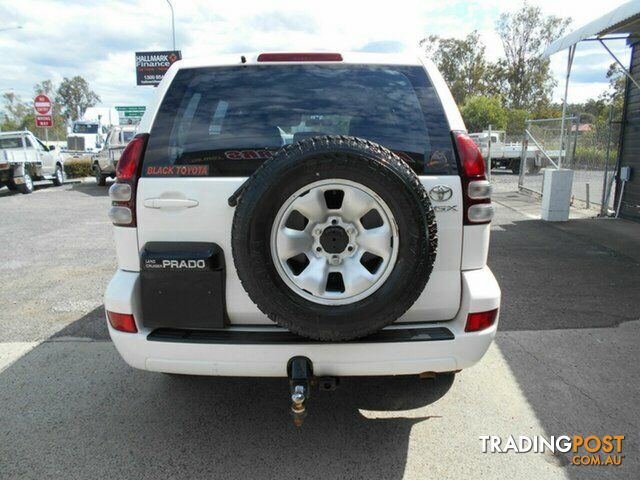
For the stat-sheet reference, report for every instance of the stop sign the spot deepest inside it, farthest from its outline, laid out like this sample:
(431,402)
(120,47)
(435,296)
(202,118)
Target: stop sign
(42,104)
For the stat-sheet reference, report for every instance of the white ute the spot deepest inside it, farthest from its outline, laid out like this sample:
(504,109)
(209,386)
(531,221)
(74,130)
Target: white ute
(302,215)
(25,159)
(104,162)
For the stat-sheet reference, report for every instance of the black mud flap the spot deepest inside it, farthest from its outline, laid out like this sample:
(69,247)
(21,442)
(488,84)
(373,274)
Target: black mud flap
(183,285)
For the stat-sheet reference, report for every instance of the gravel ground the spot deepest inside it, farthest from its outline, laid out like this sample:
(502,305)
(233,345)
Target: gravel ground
(57,257)
(505,181)
(564,362)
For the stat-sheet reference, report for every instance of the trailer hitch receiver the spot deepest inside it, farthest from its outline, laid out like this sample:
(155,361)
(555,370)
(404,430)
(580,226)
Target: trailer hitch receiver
(300,373)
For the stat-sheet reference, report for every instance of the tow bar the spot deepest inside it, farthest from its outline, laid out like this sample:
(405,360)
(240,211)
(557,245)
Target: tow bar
(301,378)
(300,373)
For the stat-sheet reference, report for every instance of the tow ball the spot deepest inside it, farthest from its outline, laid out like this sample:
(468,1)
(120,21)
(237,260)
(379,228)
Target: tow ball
(301,379)
(300,373)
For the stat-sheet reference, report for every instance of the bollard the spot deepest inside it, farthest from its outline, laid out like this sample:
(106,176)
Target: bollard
(588,202)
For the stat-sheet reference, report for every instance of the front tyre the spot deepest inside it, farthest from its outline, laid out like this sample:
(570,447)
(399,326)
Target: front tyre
(58,176)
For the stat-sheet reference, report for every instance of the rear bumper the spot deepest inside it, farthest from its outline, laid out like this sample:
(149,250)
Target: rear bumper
(247,353)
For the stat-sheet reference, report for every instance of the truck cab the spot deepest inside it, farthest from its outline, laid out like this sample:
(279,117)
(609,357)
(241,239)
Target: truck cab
(86,137)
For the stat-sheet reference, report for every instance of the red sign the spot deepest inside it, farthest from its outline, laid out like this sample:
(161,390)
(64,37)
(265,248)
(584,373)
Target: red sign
(44,121)
(42,104)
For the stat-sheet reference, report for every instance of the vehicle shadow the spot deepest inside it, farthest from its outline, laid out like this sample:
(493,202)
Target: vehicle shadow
(72,408)
(91,189)
(91,326)
(40,185)
(551,279)
(569,333)
(5,192)
(502,171)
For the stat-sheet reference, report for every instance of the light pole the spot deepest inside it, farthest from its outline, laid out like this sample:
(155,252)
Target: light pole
(173,26)
(19,27)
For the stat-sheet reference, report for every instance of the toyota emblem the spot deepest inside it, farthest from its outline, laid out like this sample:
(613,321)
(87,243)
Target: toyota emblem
(440,193)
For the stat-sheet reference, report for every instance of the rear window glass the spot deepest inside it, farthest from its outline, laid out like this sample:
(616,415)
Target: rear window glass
(15,142)
(85,128)
(229,120)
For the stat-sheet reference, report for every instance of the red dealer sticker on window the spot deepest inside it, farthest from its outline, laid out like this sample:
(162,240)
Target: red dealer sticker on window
(179,170)
(247,154)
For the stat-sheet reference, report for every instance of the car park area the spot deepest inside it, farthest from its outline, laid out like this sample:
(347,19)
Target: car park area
(267,241)
(564,362)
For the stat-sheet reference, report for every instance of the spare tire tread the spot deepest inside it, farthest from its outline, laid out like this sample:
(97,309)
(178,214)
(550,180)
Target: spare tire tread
(381,160)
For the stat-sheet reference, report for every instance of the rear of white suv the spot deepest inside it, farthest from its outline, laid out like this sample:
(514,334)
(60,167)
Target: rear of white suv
(191,295)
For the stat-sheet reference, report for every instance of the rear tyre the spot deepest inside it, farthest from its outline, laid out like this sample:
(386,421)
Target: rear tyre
(334,237)
(101,179)
(27,186)
(12,186)
(58,176)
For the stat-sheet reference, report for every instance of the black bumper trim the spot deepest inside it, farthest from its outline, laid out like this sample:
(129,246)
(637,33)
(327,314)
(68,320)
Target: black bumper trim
(283,337)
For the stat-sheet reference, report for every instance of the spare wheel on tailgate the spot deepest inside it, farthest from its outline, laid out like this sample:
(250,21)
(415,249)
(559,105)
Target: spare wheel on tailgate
(334,237)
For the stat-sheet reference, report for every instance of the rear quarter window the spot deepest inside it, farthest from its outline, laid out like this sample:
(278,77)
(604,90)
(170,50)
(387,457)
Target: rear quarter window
(228,120)
(11,142)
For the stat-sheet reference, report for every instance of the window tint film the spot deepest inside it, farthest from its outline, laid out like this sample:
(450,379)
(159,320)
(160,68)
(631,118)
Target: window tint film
(229,120)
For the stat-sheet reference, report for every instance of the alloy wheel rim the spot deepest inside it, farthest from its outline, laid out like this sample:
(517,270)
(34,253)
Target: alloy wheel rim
(334,242)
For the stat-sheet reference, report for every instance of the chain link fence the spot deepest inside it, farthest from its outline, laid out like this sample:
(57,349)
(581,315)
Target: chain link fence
(589,149)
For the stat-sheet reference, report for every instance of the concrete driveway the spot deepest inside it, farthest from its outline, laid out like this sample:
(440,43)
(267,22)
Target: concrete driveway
(565,362)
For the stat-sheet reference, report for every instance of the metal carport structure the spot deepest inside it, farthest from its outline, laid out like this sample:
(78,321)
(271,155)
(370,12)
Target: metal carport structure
(621,23)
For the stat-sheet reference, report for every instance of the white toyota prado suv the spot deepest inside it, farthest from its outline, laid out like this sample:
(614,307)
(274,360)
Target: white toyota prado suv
(305,215)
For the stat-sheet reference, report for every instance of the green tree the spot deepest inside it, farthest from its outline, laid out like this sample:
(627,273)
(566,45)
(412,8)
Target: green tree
(74,96)
(479,112)
(614,95)
(526,77)
(461,62)
(19,114)
(47,87)
(515,121)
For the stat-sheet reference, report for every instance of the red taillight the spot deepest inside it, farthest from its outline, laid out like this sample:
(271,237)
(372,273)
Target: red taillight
(123,322)
(127,168)
(480,320)
(477,205)
(471,159)
(299,57)
(123,210)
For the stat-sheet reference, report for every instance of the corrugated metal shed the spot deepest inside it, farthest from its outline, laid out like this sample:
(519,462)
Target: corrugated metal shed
(630,140)
(624,21)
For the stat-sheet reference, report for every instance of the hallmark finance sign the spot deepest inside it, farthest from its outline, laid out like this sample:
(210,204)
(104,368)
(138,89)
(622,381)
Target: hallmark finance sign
(151,66)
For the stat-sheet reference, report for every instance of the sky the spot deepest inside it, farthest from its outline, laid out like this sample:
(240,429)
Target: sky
(97,38)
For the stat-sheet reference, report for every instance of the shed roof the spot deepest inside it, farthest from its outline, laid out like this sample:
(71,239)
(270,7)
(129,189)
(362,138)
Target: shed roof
(623,20)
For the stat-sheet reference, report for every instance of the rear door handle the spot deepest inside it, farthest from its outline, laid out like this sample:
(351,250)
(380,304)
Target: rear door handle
(170,203)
